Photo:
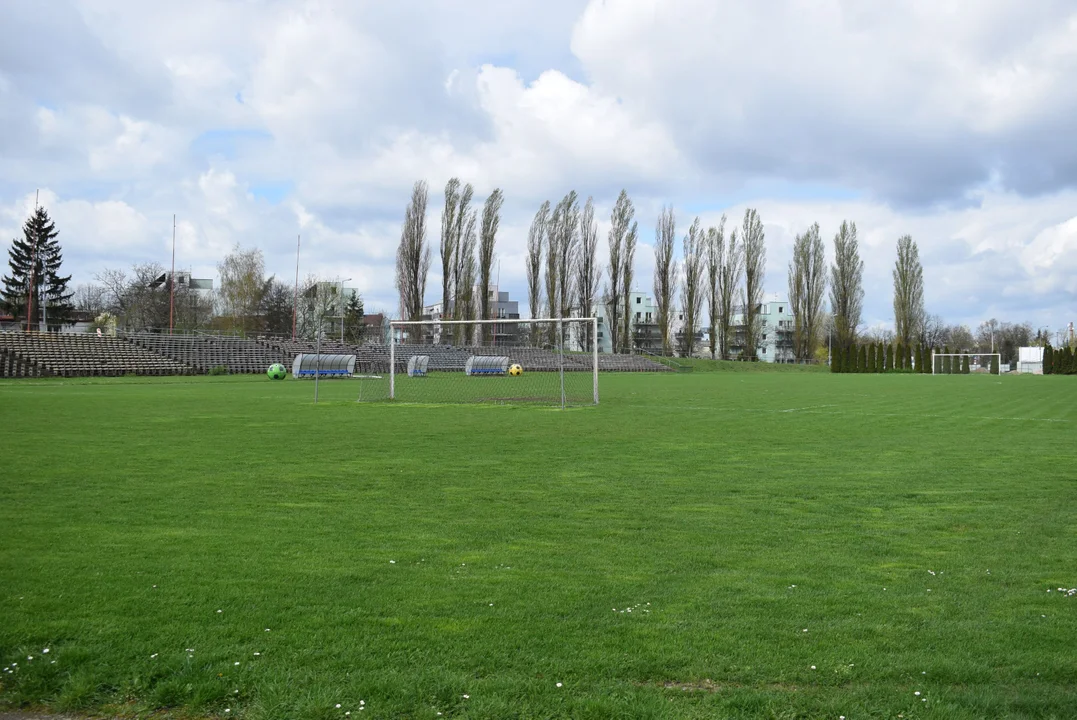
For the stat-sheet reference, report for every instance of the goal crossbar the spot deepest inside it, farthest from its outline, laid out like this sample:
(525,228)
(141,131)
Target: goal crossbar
(560,323)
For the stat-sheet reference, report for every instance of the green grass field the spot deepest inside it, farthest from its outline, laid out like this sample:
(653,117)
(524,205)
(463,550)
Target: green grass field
(703,545)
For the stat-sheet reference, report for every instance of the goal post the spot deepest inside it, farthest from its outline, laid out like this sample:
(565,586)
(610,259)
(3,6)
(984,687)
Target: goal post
(955,363)
(544,361)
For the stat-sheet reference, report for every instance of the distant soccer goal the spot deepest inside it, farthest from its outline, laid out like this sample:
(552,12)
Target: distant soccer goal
(546,361)
(965,363)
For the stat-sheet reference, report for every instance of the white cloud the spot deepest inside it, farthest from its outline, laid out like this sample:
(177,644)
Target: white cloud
(952,122)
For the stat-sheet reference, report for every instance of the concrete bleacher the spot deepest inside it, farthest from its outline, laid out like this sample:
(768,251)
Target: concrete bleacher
(36,355)
(205,352)
(44,354)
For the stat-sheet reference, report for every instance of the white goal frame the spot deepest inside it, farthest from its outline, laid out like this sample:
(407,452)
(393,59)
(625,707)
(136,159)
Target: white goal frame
(968,355)
(560,322)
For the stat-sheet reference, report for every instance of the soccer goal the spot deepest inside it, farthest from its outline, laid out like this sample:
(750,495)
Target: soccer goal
(546,361)
(966,363)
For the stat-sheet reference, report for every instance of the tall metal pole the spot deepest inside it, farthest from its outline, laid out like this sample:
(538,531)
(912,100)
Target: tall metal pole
(341,300)
(172,278)
(295,301)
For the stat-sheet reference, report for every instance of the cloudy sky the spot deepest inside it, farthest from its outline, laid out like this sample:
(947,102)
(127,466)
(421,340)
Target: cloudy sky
(255,120)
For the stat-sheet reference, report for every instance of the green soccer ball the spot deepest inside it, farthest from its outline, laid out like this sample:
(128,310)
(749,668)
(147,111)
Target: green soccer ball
(276,371)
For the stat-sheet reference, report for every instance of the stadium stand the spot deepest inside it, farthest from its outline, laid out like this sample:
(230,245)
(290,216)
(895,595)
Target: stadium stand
(205,352)
(37,355)
(43,354)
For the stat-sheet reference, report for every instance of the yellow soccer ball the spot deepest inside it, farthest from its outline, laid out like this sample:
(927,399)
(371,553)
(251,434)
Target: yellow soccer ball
(515,370)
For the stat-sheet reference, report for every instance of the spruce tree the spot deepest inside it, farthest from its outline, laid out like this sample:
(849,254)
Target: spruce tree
(1048,359)
(37,258)
(965,365)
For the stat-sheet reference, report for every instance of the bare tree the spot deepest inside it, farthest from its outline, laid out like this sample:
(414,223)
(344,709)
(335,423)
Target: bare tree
(466,301)
(491,218)
(612,299)
(90,298)
(933,332)
(535,239)
(807,285)
(728,282)
(846,288)
(908,291)
(693,290)
(448,248)
(567,247)
(755,260)
(463,217)
(561,248)
(665,273)
(588,273)
(553,280)
(715,252)
(413,256)
(243,284)
(628,270)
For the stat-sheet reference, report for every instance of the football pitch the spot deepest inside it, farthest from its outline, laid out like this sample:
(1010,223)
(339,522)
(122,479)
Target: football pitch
(704,545)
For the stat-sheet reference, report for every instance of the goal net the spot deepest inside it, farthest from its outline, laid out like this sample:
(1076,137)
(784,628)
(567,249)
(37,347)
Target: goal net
(545,362)
(965,363)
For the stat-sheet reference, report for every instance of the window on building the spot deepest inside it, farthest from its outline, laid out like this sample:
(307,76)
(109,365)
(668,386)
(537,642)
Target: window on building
(764,351)
(780,309)
(637,316)
(638,300)
(764,336)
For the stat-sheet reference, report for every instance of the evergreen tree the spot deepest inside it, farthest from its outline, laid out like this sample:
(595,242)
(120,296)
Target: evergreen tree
(965,365)
(836,360)
(1067,362)
(908,357)
(1048,359)
(888,358)
(850,359)
(862,359)
(871,357)
(37,258)
(994,364)
(899,357)
(947,365)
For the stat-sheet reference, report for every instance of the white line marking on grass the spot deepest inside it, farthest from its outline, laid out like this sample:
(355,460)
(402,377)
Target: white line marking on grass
(810,407)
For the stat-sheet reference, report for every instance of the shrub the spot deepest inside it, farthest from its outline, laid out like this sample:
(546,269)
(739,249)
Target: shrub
(218,370)
(888,359)
(835,361)
(965,365)
(1048,359)
(994,364)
